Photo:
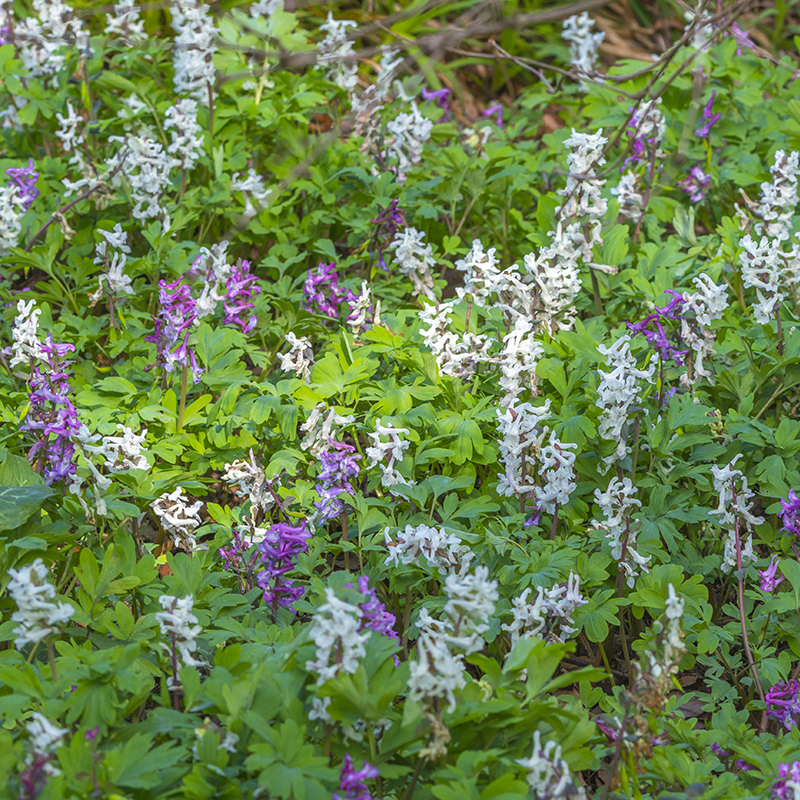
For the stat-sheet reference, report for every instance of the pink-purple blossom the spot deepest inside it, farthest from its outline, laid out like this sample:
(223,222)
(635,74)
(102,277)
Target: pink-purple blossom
(25,178)
(696,185)
(441,97)
(704,131)
(790,513)
(353,783)
(339,467)
(788,776)
(280,549)
(496,111)
(783,703)
(652,330)
(769,582)
(240,290)
(323,293)
(375,616)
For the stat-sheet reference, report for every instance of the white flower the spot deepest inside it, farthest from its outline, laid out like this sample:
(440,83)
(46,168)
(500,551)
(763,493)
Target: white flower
(121,453)
(415,259)
(631,203)
(482,278)
(696,23)
(186,144)
(582,191)
(334,48)
(251,479)
(735,513)
(548,774)
(320,428)
(126,22)
(557,473)
(583,44)
(762,269)
(194,49)
(617,393)
(360,308)
(179,518)
(617,504)
(299,358)
(473,597)
(387,454)
(146,169)
(118,283)
(699,310)
(26,344)
(521,354)
(252,186)
(407,136)
(179,626)
(437,673)
(12,210)
(265,8)
(779,198)
(45,739)
(68,127)
(443,551)
(340,646)
(36,612)
(520,431)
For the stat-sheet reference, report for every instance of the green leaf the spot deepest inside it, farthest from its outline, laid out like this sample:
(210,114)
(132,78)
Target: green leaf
(18,503)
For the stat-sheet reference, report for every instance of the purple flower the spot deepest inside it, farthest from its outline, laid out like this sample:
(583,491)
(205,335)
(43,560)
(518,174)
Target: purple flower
(33,778)
(652,330)
(279,551)
(783,703)
(376,617)
(353,783)
(234,553)
(323,293)
(52,414)
(495,109)
(25,178)
(237,301)
(91,734)
(441,97)
(718,751)
(612,734)
(338,468)
(768,581)
(386,225)
(4,35)
(787,774)
(696,185)
(709,119)
(742,38)
(790,513)
(740,765)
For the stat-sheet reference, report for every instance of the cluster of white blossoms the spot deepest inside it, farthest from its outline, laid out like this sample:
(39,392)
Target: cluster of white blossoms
(186,136)
(360,309)
(112,253)
(299,358)
(443,551)
(631,202)
(195,45)
(617,393)
(763,269)
(518,359)
(44,739)
(582,198)
(414,259)
(455,355)
(407,134)
(179,518)
(146,171)
(521,434)
(253,187)
(366,104)
(12,209)
(438,671)
(735,514)
(180,627)
(557,471)
(548,774)
(213,270)
(26,346)
(779,197)
(120,453)
(321,427)
(699,310)
(617,503)
(583,43)
(549,608)
(37,613)
(252,480)
(334,49)
(388,454)
(126,22)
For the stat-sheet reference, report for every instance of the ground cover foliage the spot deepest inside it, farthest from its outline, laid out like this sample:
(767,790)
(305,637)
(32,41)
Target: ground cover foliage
(398,402)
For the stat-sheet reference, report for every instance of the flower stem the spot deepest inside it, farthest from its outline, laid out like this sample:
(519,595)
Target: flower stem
(182,406)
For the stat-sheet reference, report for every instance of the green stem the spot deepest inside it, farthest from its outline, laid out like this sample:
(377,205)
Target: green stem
(182,406)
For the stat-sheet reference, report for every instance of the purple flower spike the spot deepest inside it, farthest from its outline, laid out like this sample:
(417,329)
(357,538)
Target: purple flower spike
(376,617)
(279,551)
(788,777)
(338,468)
(237,301)
(709,119)
(696,185)
(657,338)
(25,178)
(768,580)
(790,513)
(353,782)
(323,293)
(497,110)
(441,97)
(783,703)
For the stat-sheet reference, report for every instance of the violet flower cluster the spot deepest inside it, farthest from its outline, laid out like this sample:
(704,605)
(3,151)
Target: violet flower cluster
(172,328)
(25,179)
(769,581)
(441,97)
(339,467)
(783,703)
(708,119)
(375,616)
(282,545)
(353,782)
(790,513)
(52,414)
(787,786)
(652,330)
(323,293)
(241,288)
(696,185)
